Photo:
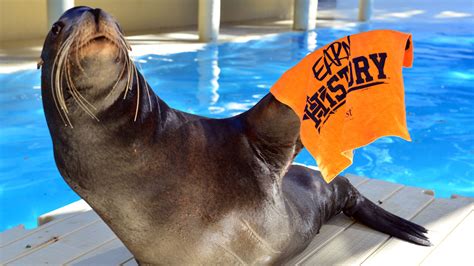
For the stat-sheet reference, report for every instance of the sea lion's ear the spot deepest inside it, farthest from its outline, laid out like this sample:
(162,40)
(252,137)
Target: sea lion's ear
(40,63)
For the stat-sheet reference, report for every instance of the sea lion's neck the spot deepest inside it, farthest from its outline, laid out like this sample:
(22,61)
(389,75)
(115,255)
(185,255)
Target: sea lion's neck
(140,113)
(84,151)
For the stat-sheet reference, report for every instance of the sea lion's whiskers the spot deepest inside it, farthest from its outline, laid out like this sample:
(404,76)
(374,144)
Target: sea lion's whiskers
(57,70)
(118,77)
(148,94)
(79,61)
(124,42)
(55,100)
(129,77)
(118,41)
(60,91)
(129,47)
(81,104)
(137,78)
(61,66)
(128,64)
(127,84)
(81,100)
(59,74)
(146,86)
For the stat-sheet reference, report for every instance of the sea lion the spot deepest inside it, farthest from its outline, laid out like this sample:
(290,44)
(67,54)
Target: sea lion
(179,188)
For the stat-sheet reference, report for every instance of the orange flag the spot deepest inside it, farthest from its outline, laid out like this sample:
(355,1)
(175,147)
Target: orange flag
(347,94)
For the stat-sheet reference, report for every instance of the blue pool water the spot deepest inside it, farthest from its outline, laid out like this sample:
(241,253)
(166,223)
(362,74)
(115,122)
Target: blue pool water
(224,80)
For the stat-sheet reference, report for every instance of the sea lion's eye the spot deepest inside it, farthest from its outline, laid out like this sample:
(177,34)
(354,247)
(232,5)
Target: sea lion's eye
(56,29)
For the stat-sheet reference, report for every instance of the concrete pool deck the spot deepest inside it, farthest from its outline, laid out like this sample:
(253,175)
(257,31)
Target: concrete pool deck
(75,234)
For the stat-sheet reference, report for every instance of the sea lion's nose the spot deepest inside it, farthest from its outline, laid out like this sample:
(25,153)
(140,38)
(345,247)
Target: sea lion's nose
(96,12)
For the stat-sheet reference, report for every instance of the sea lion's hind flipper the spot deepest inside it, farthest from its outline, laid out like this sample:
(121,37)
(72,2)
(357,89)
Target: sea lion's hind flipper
(372,215)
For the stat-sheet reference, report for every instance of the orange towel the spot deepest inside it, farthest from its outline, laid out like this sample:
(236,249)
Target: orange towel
(347,94)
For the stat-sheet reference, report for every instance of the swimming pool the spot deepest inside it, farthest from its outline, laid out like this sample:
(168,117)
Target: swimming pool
(227,79)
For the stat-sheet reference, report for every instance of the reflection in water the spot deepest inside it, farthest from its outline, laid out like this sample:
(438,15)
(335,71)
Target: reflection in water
(310,40)
(208,71)
(364,27)
(300,45)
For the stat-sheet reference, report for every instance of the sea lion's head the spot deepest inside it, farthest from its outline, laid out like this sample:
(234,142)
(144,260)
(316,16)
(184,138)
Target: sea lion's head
(85,62)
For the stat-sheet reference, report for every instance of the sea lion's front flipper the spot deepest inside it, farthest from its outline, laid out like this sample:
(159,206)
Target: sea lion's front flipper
(372,215)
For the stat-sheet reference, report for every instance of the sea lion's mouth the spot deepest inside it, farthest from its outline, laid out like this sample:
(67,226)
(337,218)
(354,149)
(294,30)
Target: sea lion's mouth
(100,38)
(97,39)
